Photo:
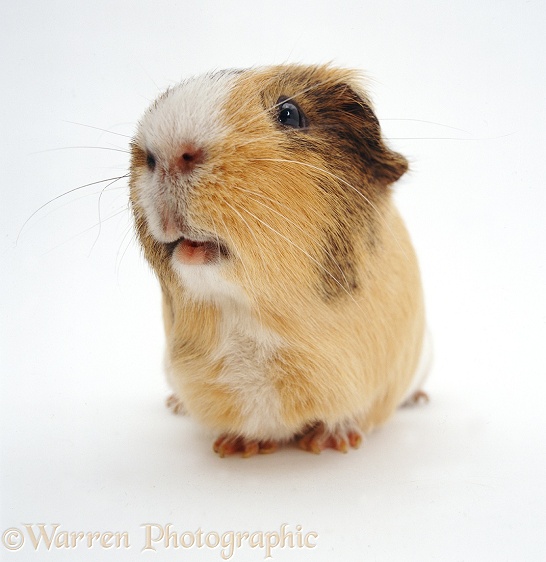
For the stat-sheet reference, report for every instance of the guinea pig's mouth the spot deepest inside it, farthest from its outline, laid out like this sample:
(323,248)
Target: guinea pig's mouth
(198,252)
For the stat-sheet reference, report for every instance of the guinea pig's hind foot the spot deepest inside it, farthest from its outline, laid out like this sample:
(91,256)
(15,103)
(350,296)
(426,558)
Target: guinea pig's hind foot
(227,445)
(175,404)
(318,437)
(418,397)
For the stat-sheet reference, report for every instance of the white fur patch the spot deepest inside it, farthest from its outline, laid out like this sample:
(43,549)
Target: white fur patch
(187,114)
(206,283)
(245,348)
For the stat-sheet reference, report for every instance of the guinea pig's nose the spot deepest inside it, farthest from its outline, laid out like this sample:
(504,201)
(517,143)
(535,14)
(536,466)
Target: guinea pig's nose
(190,156)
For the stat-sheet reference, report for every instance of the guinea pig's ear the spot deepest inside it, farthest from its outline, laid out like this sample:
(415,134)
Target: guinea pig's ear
(362,130)
(388,166)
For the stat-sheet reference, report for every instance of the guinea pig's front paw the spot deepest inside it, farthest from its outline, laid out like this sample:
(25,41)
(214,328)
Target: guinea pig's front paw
(228,444)
(175,404)
(318,437)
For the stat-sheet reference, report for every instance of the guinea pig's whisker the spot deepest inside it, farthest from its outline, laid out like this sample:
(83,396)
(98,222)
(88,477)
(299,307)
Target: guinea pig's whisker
(120,211)
(428,138)
(82,232)
(99,212)
(57,197)
(322,127)
(125,151)
(304,252)
(428,122)
(469,138)
(98,129)
(241,259)
(129,230)
(344,182)
(252,140)
(132,239)
(302,230)
(70,202)
(275,201)
(215,230)
(258,245)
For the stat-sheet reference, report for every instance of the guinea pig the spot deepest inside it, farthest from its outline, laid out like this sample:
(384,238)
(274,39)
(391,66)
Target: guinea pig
(292,300)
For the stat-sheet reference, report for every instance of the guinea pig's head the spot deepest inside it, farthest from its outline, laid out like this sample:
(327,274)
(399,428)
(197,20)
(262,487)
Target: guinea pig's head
(264,179)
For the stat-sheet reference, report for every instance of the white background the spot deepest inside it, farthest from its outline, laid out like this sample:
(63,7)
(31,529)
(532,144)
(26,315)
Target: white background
(86,440)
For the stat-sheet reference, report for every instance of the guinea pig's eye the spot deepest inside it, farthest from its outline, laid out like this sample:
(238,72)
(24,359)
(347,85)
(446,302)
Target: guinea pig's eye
(150,161)
(289,114)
